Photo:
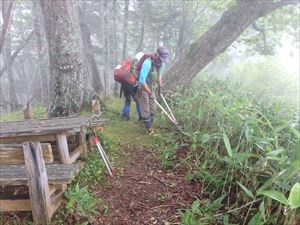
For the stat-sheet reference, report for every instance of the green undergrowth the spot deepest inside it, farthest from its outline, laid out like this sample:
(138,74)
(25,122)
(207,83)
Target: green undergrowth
(246,155)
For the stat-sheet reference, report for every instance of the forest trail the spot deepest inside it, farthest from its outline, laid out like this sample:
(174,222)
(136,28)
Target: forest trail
(143,193)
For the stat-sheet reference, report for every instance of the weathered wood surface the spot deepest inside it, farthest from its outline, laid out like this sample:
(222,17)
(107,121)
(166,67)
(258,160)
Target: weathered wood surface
(38,183)
(57,174)
(11,154)
(15,205)
(63,150)
(76,153)
(20,139)
(27,112)
(56,195)
(34,127)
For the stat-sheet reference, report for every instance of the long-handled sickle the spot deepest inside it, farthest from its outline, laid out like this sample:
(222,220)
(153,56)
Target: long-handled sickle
(108,165)
(167,114)
(171,113)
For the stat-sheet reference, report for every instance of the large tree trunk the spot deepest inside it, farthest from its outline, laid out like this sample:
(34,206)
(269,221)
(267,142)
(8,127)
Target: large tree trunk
(215,41)
(67,62)
(125,28)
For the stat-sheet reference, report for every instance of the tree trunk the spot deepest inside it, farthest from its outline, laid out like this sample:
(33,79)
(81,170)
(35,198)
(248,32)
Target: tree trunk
(114,38)
(106,50)
(114,44)
(13,101)
(141,41)
(89,54)
(67,62)
(125,28)
(43,77)
(215,41)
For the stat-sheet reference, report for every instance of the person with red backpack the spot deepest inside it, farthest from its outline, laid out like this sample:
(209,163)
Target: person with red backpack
(128,81)
(149,69)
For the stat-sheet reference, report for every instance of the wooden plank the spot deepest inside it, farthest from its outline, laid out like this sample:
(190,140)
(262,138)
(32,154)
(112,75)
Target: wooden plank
(55,202)
(57,173)
(62,147)
(40,131)
(44,125)
(11,154)
(15,205)
(76,153)
(31,137)
(38,183)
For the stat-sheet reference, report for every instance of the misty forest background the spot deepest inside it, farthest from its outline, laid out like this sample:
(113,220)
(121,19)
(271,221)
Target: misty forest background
(262,55)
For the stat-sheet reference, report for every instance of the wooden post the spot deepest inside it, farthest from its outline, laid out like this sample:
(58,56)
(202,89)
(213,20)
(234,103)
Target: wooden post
(96,108)
(27,112)
(63,150)
(82,139)
(38,183)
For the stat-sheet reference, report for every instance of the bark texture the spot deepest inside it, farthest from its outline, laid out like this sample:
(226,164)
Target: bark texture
(67,62)
(216,40)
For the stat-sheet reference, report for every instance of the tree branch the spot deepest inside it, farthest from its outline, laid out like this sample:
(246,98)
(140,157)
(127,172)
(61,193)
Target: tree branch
(14,55)
(271,6)
(7,18)
(263,33)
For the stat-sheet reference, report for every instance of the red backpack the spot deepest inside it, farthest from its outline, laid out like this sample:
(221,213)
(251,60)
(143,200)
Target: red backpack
(122,73)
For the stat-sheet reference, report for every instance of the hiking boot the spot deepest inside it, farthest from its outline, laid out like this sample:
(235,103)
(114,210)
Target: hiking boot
(150,131)
(125,117)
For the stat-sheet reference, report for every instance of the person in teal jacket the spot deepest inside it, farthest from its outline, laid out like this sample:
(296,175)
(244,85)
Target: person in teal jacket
(150,79)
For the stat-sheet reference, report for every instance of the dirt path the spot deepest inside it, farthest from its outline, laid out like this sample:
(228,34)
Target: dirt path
(144,194)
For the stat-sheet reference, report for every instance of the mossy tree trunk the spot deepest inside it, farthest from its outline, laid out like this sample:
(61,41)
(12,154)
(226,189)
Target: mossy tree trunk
(68,66)
(216,40)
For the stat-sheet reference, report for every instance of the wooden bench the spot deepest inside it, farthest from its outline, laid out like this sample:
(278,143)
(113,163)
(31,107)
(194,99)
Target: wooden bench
(46,183)
(43,171)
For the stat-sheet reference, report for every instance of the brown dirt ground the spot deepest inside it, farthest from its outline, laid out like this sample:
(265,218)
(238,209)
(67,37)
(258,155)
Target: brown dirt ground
(140,193)
(144,193)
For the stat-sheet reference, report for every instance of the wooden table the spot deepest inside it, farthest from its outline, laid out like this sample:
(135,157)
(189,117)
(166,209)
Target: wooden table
(47,130)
